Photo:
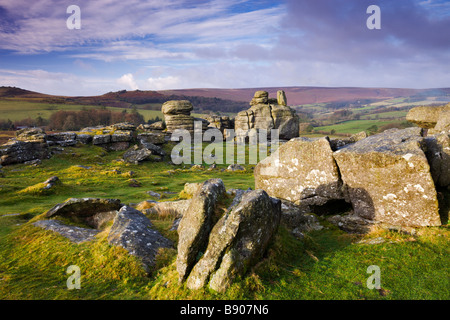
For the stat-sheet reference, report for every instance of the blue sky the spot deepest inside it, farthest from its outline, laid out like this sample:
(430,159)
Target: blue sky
(172,44)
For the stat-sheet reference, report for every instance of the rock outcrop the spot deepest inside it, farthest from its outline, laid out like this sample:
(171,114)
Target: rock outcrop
(237,241)
(28,144)
(177,115)
(15,151)
(196,224)
(232,242)
(116,137)
(388,179)
(385,177)
(265,114)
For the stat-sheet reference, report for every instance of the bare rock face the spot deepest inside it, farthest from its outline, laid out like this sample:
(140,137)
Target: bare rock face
(134,232)
(237,241)
(196,224)
(302,171)
(265,115)
(387,179)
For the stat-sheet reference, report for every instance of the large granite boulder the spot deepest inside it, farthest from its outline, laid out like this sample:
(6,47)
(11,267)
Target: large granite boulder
(196,224)
(237,241)
(134,232)
(387,179)
(302,171)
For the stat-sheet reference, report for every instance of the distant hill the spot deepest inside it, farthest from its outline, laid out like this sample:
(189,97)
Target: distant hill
(14,92)
(226,100)
(309,95)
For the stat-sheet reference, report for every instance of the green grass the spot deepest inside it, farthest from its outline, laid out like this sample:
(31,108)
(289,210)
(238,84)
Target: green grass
(326,264)
(383,115)
(354,126)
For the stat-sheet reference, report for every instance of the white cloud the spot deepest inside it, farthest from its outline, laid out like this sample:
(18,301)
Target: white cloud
(163,83)
(41,26)
(128,81)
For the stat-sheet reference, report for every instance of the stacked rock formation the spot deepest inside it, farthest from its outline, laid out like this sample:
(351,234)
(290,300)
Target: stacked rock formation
(386,178)
(267,114)
(177,115)
(34,144)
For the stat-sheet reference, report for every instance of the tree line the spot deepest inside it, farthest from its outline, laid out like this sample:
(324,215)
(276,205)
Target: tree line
(76,120)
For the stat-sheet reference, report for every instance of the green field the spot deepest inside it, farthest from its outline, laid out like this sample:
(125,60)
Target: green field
(325,264)
(354,126)
(19,110)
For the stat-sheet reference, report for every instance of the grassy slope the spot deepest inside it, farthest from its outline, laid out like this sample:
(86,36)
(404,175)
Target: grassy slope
(327,264)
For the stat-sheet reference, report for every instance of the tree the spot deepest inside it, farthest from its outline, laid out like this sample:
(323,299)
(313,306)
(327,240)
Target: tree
(69,123)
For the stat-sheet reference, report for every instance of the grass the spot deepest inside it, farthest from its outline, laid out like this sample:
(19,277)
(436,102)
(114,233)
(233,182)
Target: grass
(326,264)
(354,126)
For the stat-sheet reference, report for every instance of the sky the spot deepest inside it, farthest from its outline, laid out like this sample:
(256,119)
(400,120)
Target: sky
(181,44)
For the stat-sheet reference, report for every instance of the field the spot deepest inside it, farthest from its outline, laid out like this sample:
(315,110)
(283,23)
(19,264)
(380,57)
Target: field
(354,126)
(326,264)
(18,110)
